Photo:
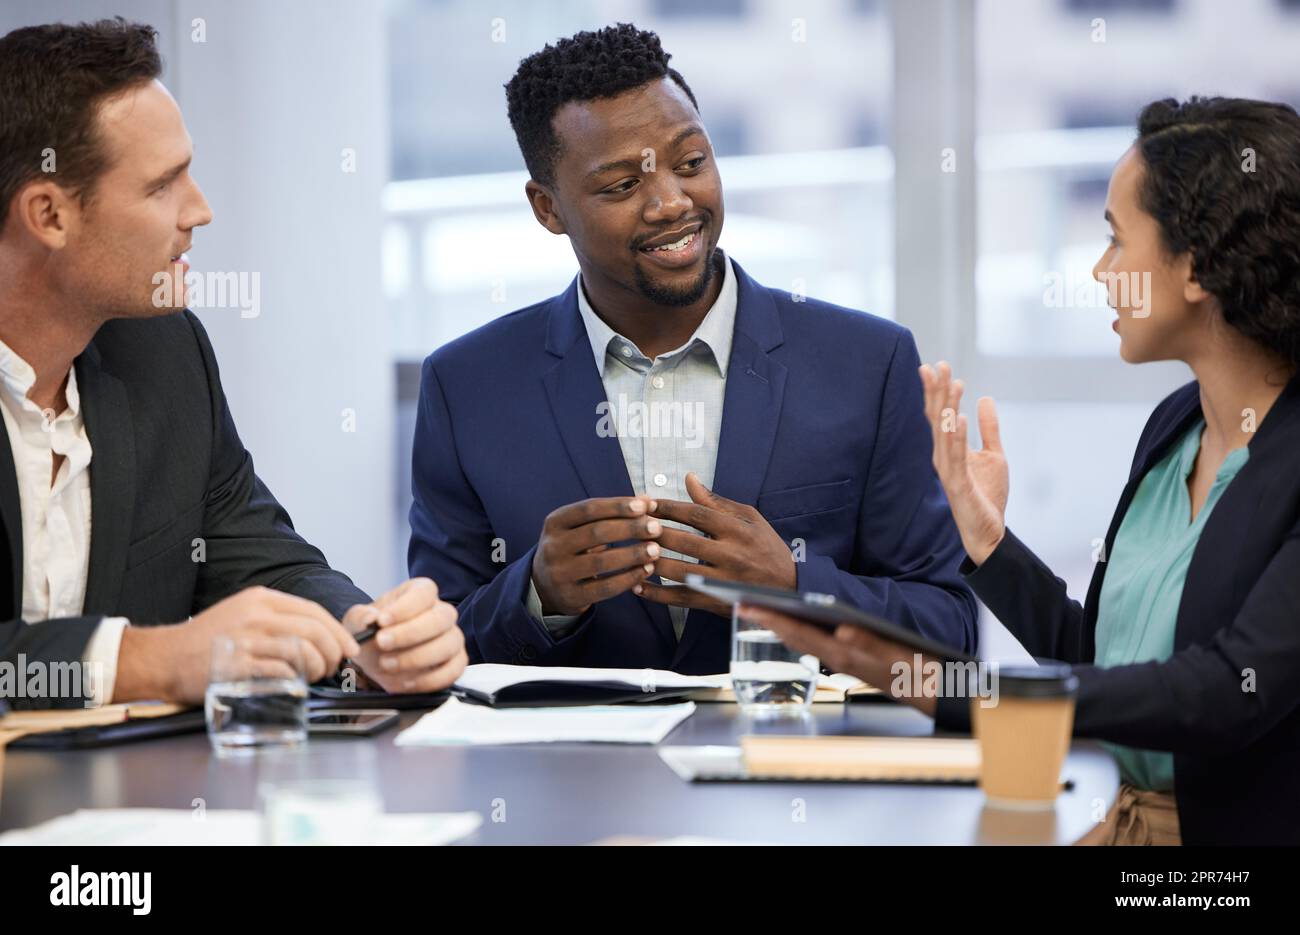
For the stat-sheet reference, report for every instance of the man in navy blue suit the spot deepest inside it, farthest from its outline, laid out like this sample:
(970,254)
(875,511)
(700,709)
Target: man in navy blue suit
(666,413)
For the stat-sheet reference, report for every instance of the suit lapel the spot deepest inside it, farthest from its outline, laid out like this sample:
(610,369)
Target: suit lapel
(751,406)
(107,414)
(576,392)
(11,517)
(751,411)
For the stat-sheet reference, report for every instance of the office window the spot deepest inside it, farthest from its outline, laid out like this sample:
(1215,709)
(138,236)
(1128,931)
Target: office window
(1059,90)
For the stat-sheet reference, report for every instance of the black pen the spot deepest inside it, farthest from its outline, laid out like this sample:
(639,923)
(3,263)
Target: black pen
(366,634)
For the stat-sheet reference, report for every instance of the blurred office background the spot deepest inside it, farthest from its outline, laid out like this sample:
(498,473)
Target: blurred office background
(937,162)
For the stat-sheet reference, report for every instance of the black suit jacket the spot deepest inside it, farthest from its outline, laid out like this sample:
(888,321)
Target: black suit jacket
(1227,702)
(167,469)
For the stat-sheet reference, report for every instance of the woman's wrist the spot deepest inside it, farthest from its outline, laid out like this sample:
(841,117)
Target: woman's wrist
(980,550)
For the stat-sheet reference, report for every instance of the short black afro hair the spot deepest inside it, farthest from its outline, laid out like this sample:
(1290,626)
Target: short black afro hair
(1223,182)
(585,67)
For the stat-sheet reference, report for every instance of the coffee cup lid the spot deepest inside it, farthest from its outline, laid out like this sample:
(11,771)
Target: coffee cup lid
(1049,680)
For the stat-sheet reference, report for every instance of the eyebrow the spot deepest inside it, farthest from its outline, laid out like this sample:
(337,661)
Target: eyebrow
(1110,219)
(169,174)
(635,164)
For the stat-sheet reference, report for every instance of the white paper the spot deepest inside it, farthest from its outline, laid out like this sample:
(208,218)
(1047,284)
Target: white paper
(840,681)
(491,677)
(713,762)
(179,826)
(459,723)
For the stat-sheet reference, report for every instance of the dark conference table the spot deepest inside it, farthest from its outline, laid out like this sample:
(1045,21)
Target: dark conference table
(579,793)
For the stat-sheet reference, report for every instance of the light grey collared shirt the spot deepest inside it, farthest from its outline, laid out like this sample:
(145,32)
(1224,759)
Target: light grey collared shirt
(666,412)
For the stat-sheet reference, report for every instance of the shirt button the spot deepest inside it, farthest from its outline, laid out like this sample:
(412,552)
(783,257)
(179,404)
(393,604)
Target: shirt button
(658,383)
(627,351)
(660,480)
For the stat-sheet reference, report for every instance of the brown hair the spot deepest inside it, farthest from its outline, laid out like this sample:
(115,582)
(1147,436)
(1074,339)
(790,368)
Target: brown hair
(52,79)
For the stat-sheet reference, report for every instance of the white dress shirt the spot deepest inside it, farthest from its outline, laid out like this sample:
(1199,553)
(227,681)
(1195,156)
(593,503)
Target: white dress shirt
(56,515)
(689,382)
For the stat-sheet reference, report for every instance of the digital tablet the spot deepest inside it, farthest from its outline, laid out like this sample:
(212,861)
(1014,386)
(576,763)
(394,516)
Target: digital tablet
(821,610)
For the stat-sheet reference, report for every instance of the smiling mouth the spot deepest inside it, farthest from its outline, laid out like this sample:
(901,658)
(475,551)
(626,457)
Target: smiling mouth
(675,246)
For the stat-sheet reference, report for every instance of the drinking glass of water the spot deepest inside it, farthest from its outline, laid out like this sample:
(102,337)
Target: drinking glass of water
(257,694)
(769,678)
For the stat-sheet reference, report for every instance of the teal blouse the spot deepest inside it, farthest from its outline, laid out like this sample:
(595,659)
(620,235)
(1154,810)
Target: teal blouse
(1144,580)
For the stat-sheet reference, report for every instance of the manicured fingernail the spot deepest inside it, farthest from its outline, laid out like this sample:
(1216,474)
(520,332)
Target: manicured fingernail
(409,684)
(638,589)
(654,505)
(638,506)
(385,640)
(649,570)
(654,527)
(652,550)
(388,663)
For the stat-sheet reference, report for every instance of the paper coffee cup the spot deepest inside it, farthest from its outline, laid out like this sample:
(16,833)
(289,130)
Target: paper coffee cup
(1024,735)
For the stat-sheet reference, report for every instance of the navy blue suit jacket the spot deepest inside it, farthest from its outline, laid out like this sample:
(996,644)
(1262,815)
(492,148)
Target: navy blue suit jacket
(822,430)
(1227,702)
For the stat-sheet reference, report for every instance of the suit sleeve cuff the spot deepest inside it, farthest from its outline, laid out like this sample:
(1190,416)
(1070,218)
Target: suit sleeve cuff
(558,625)
(1007,559)
(99,660)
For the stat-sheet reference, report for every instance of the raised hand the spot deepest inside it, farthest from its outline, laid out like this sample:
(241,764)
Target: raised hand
(976,481)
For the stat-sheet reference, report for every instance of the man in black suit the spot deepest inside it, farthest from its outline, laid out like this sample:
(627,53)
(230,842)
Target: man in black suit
(132,525)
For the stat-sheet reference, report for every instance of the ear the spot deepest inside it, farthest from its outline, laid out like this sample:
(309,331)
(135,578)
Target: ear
(45,211)
(542,202)
(1193,292)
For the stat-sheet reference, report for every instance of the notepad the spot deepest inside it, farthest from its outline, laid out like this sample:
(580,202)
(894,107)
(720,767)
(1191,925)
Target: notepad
(881,759)
(457,722)
(830,759)
(178,826)
(499,684)
(42,721)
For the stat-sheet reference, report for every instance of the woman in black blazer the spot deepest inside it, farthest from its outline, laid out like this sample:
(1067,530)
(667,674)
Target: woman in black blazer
(1207,201)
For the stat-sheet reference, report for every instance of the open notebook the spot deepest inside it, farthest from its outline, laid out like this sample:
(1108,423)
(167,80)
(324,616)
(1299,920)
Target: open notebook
(523,686)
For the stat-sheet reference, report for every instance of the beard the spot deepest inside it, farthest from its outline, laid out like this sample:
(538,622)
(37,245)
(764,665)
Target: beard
(677,297)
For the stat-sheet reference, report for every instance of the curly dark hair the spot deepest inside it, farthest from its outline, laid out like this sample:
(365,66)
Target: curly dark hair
(584,67)
(52,79)
(1222,180)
